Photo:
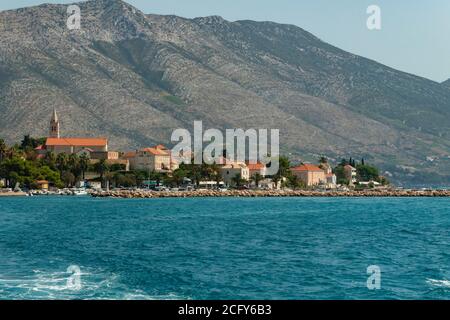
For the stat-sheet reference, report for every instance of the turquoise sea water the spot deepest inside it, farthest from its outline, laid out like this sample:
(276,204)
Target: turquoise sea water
(291,248)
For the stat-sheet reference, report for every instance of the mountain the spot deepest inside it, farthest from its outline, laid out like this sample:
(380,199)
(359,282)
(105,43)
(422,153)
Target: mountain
(446,83)
(135,77)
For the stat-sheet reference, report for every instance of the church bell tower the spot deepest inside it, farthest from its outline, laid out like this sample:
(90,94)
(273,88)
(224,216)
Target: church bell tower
(54,125)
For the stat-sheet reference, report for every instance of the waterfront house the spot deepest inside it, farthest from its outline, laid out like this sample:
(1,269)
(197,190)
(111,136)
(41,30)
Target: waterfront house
(42,184)
(331,181)
(150,159)
(232,169)
(255,168)
(309,174)
(350,174)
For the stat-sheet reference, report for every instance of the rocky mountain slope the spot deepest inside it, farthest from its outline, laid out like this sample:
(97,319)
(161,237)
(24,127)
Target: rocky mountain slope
(446,83)
(135,77)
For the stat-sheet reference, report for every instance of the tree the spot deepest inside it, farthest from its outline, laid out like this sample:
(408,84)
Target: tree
(84,164)
(62,162)
(367,173)
(257,177)
(177,176)
(295,183)
(340,174)
(68,178)
(323,159)
(3,149)
(285,165)
(101,167)
(237,180)
(29,142)
(74,166)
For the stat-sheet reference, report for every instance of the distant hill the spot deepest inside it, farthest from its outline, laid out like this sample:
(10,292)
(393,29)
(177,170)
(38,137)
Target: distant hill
(135,77)
(446,83)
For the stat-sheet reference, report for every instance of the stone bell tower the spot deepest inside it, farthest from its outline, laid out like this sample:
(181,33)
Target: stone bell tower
(54,126)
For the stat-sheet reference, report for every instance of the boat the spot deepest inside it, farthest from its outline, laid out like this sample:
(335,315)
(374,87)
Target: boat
(79,192)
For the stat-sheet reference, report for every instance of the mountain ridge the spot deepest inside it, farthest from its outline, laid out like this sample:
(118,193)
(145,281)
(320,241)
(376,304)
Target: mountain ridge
(135,77)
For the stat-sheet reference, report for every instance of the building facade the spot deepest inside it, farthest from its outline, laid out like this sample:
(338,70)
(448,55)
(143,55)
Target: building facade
(230,170)
(309,174)
(150,159)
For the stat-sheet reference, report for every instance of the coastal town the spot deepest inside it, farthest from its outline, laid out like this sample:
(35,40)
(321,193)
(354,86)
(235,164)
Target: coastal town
(66,165)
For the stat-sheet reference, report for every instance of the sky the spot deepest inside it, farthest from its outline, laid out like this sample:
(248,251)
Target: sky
(414,35)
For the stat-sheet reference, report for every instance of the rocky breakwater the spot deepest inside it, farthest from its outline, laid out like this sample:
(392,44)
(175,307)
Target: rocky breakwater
(268,193)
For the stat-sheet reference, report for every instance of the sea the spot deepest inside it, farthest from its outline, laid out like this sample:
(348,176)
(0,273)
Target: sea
(224,248)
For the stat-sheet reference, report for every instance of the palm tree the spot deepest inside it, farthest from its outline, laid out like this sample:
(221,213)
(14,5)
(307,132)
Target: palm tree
(84,163)
(101,168)
(61,162)
(74,165)
(108,177)
(257,177)
(237,180)
(178,176)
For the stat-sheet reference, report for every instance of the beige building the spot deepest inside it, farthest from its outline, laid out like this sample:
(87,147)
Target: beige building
(150,159)
(330,177)
(76,145)
(350,174)
(309,174)
(230,170)
(255,168)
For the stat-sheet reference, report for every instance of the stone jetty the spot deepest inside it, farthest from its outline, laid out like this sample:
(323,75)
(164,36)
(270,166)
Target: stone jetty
(268,193)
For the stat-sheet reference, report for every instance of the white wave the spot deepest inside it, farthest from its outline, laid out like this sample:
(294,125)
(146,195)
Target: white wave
(439,283)
(53,285)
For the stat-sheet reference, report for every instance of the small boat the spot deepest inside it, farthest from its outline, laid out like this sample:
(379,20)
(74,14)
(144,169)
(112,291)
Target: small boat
(79,192)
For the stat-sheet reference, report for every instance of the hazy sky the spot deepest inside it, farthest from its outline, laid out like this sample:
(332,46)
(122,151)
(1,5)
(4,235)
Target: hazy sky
(415,34)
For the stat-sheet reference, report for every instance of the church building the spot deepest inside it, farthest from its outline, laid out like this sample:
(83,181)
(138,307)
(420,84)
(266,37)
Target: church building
(56,144)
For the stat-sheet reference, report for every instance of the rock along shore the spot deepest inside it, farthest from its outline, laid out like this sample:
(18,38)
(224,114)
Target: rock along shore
(269,193)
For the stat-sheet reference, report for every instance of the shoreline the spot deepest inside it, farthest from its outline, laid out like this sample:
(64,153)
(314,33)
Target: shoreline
(128,194)
(12,194)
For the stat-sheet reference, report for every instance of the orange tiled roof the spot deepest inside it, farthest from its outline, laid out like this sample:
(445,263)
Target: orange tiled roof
(130,154)
(255,166)
(306,167)
(156,151)
(79,142)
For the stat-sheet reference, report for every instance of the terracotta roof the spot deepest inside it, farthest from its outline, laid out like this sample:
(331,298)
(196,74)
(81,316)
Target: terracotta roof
(155,151)
(80,142)
(306,167)
(41,147)
(161,147)
(255,166)
(130,154)
(349,167)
